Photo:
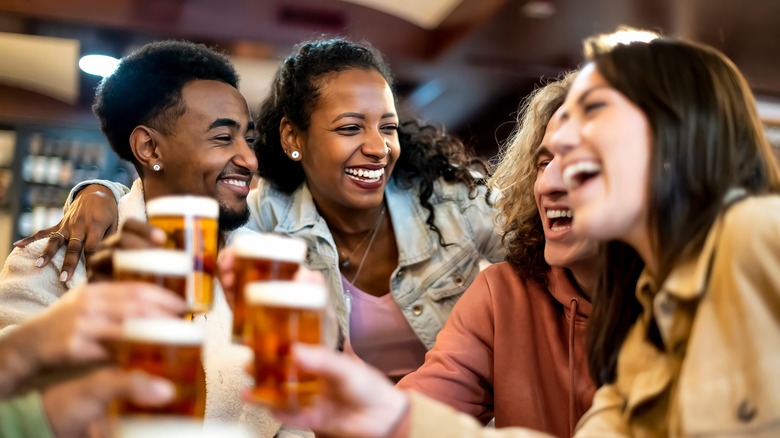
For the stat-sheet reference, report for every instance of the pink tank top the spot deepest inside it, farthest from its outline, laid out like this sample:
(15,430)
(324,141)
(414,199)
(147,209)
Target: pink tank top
(380,335)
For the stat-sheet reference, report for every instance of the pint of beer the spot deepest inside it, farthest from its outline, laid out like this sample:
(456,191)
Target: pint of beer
(281,313)
(191,225)
(164,267)
(262,257)
(168,348)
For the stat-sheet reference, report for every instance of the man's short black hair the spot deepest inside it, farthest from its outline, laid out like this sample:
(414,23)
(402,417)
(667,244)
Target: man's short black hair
(146,88)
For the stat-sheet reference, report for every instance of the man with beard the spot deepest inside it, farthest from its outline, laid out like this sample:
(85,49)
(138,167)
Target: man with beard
(173,109)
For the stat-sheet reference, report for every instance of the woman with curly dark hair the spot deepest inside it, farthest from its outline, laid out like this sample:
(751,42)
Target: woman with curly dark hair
(395,213)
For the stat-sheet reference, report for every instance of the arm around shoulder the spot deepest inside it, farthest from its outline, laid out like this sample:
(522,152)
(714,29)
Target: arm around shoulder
(116,189)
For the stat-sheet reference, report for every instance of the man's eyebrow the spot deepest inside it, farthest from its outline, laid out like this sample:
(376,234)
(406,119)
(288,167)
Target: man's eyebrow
(250,126)
(223,122)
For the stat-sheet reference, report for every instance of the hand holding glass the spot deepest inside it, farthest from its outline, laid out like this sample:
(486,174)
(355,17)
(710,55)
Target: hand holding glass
(281,313)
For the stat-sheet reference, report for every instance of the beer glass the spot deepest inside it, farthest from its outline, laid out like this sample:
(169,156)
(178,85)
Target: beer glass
(169,348)
(281,313)
(191,225)
(164,267)
(165,427)
(262,257)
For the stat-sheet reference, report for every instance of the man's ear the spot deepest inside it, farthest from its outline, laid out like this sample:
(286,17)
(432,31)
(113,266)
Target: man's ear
(143,142)
(290,137)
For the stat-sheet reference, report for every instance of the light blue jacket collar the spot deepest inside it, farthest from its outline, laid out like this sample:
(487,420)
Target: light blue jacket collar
(415,243)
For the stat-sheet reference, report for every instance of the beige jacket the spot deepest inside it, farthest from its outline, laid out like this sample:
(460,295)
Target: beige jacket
(26,290)
(718,375)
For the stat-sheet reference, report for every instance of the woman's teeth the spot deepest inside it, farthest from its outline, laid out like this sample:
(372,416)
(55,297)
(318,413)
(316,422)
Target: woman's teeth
(553,214)
(575,174)
(561,219)
(364,175)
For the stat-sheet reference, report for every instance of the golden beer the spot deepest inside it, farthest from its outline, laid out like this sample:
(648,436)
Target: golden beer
(191,225)
(168,348)
(281,313)
(164,267)
(262,257)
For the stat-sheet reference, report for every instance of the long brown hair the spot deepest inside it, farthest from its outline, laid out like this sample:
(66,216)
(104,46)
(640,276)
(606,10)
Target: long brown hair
(707,139)
(514,179)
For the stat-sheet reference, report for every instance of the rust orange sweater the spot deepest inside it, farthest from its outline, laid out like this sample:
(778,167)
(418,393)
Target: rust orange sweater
(514,350)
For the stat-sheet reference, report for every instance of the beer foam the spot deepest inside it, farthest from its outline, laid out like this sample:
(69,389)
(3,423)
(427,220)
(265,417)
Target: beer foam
(163,331)
(174,427)
(286,294)
(154,261)
(198,206)
(269,246)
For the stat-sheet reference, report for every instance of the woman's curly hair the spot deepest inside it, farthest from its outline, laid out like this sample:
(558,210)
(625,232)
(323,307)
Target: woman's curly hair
(427,151)
(515,176)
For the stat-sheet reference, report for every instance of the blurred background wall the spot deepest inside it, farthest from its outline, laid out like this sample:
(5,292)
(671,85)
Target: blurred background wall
(464,63)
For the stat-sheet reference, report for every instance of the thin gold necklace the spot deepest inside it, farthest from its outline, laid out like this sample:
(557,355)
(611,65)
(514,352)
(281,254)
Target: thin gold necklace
(346,256)
(368,248)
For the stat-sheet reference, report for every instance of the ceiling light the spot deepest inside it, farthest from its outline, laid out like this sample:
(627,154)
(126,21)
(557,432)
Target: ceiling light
(629,35)
(98,65)
(538,9)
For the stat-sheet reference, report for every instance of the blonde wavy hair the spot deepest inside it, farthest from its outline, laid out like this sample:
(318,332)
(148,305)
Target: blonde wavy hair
(514,179)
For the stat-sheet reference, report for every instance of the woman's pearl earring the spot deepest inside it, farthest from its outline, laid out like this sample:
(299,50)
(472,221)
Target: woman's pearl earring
(295,155)
(156,167)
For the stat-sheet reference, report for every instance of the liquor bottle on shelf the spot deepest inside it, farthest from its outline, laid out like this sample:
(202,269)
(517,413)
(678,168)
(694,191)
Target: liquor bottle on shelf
(91,163)
(54,160)
(24,225)
(53,164)
(66,170)
(30,160)
(77,154)
(41,163)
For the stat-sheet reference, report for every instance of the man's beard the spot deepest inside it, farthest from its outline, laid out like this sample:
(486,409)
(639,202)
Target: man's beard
(230,219)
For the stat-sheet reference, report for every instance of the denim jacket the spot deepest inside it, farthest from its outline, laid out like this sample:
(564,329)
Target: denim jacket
(429,277)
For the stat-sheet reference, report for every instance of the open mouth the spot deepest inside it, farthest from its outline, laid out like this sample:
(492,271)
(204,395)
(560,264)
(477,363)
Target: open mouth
(365,175)
(237,184)
(559,220)
(577,174)
(234,182)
